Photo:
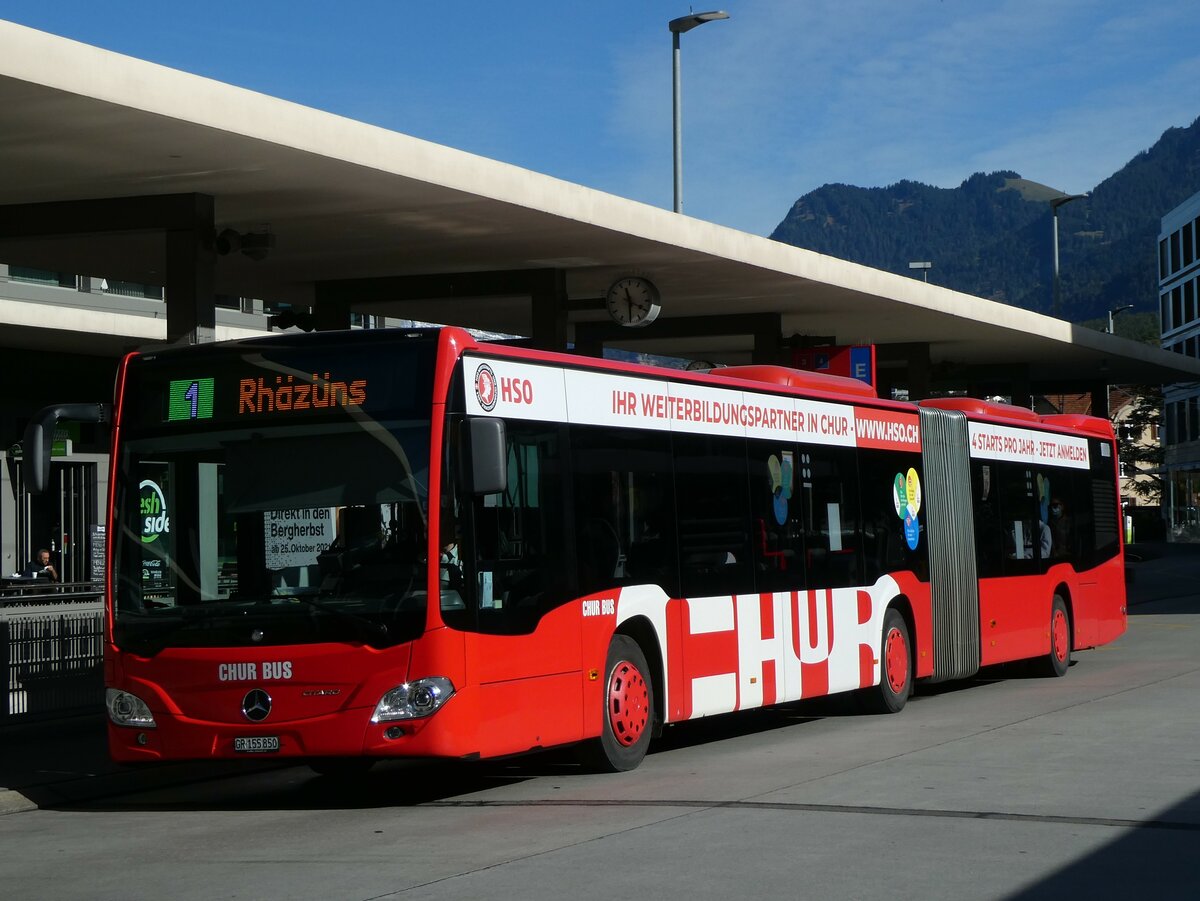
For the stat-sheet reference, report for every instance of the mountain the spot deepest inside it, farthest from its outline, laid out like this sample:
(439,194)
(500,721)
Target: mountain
(991,236)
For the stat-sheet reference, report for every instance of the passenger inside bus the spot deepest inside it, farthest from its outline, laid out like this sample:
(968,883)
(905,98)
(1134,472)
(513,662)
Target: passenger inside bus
(1061,528)
(450,563)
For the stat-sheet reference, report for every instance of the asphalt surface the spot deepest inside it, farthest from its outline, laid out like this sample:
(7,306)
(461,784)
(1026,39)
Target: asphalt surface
(1002,786)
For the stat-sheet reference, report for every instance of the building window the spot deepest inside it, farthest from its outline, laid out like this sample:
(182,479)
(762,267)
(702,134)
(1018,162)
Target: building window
(1164,312)
(1176,256)
(1189,300)
(1188,253)
(1176,306)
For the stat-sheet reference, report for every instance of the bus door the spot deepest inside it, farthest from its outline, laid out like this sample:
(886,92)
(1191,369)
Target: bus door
(524,631)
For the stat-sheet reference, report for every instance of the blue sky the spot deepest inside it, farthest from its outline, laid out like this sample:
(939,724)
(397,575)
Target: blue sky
(783,97)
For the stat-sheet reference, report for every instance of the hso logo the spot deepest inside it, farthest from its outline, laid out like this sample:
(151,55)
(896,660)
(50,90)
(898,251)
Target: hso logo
(153,506)
(485,387)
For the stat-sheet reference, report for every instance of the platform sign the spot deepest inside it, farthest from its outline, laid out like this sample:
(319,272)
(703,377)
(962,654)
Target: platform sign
(856,361)
(97,541)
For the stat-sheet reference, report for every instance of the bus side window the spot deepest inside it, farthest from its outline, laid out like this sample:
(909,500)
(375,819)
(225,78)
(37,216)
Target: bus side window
(777,529)
(1102,541)
(713,508)
(621,506)
(989,533)
(1022,525)
(829,498)
(885,512)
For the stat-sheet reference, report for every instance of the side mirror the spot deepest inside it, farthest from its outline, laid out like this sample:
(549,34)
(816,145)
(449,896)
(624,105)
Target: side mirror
(39,438)
(489,458)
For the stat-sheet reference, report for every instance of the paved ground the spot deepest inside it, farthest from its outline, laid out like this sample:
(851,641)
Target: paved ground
(1001,786)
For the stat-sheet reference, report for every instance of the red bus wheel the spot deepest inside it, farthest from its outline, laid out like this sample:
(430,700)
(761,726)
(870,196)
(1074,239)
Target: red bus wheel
(628,710)
(895,663)
(1059,659)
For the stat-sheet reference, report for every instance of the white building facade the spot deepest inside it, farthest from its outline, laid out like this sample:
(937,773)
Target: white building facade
(1179,298)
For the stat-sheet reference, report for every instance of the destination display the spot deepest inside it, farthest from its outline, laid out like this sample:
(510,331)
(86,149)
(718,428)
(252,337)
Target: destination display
(281,383)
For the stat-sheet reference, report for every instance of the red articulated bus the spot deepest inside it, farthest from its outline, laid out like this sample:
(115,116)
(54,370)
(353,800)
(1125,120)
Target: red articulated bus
(344,547)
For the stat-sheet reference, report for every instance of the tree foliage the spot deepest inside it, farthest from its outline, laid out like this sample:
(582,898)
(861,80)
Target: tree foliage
(1140,452)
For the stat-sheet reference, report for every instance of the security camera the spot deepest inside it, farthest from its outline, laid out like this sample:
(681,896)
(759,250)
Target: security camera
(255,245)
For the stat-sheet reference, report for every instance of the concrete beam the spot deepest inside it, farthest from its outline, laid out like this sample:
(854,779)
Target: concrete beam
(189,261)
(546,289)
(764,328)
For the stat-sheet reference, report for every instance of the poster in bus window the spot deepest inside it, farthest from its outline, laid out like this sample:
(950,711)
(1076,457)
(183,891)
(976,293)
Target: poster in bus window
(906,498)
(294,539)
(155,527)
(781,485)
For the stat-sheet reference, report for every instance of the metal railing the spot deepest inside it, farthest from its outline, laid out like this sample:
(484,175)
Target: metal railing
(51,651)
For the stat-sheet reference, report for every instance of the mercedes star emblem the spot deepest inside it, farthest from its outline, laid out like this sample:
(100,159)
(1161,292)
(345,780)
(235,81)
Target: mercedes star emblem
(256,706)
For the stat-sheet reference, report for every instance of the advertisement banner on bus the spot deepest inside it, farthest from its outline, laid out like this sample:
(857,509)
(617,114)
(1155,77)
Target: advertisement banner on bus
(531,391)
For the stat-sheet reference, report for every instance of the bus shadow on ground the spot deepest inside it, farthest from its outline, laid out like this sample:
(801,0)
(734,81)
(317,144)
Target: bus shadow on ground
(394,783)
(284,785)
(279,785)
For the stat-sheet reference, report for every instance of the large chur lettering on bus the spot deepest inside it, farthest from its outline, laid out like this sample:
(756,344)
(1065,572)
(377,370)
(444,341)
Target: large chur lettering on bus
(727,653)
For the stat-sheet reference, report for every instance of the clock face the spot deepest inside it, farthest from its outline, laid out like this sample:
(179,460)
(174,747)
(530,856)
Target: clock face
(633,301)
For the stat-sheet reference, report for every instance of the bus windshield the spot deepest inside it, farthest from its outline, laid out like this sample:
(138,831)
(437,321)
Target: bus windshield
(271,526)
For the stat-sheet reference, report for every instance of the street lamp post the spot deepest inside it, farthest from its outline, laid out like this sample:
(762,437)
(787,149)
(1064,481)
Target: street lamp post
(924,266)
(1055,203)
(1114,312)
(678,27)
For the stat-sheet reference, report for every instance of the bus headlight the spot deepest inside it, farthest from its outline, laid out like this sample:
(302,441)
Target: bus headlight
(413,700)
(125,709)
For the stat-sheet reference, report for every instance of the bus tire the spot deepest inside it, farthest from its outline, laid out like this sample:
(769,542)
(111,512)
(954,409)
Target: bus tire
(628,711)
(895,667)
(1058,660)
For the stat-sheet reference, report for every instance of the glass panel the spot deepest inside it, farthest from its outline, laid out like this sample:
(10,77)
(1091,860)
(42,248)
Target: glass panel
(777,526)
(313,537)
(274,492)
(514,548)
(623,509)
(893,540)
(828,483)
(713,507)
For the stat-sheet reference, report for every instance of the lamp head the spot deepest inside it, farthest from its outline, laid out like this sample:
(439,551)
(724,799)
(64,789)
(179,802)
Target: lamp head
(687,23)
(1056,202)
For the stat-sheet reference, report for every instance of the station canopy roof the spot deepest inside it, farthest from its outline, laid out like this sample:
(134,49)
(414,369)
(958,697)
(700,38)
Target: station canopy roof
(348,200)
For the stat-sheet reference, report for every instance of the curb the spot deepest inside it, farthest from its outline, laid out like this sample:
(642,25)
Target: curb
(14,802)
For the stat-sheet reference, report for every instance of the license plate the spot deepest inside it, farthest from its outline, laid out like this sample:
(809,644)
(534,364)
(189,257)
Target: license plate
(258,744)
